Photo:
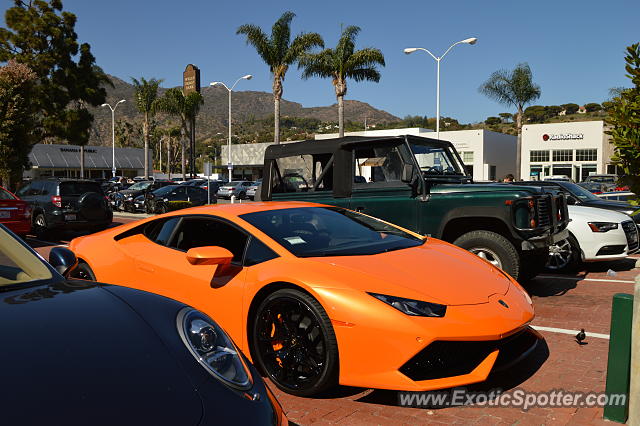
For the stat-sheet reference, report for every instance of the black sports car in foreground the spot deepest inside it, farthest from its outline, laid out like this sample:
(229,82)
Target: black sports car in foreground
(77,352)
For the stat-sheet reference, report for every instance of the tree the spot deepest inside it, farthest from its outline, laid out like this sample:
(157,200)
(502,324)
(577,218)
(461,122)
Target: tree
(593,107)
(515,88)
(279,53)
(506,116)
(17,120)
(40,35)
(341,63)
(624,121)
(553,110)
(186,108)
(570,108)
(491,121)
(145,94)
(535,113)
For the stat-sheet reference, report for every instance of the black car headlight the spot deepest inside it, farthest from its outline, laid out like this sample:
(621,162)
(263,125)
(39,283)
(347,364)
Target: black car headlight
(412,307)
(602,226)
(213,348)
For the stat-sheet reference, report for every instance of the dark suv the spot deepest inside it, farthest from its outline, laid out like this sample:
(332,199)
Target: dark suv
(61,204)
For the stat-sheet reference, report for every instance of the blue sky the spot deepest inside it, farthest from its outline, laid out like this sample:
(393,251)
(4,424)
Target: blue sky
(575,48)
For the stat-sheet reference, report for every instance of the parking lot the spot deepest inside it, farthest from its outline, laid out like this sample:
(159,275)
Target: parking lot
(564,304)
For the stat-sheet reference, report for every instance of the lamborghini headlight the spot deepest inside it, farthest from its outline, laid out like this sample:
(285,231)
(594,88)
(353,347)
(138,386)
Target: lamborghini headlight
(412,307)
(213,349)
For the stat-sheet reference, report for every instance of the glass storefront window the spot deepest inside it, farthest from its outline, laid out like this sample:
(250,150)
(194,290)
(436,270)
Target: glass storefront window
(538,156)
(586,155)
(562,155)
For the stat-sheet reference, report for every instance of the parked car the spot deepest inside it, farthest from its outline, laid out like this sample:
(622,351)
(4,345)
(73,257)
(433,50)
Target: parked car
(561,178)
(577,195)
(618,196)
(193,182)
(65,204)
(421,184)
(594,235)
(212,186)
(237,188)
(114,355)
(318,295)
(251,190)
(15,213)
(610,180)
(594,187)
(158,200)
(124,200)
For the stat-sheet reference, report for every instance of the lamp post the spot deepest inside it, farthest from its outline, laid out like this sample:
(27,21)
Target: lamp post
(219,83)
(113,134)
(409,50)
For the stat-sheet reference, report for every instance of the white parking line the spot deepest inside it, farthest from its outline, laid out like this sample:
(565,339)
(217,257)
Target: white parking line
(572,332)
(560,277)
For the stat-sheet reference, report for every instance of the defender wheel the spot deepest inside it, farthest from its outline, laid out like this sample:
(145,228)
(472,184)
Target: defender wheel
(494,248)
(293,343)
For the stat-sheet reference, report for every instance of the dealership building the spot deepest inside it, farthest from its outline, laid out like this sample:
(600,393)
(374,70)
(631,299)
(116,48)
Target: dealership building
(573,149)
(48,160)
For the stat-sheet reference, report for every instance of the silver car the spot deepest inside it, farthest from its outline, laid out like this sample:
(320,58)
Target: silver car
(238,188)
(251,191)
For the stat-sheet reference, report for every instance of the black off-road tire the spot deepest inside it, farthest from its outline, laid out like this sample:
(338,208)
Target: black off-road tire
(328,375)
(493,247)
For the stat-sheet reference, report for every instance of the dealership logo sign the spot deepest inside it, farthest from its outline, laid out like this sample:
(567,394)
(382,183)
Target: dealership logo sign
(563,136)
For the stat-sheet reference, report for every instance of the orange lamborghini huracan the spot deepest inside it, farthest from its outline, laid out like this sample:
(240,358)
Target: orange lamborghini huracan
(320,295)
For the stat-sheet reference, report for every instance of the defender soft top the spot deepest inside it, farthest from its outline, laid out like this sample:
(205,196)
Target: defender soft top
(323,146)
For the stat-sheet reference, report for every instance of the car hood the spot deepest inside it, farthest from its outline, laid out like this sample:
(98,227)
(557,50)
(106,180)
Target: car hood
(593,214)
(87,348)
(434,272)
(620,206)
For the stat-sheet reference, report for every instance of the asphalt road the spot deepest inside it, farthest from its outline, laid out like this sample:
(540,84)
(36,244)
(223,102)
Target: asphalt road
(564,304)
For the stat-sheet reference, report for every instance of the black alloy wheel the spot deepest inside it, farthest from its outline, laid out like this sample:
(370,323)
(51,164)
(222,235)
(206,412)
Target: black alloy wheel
(294,343)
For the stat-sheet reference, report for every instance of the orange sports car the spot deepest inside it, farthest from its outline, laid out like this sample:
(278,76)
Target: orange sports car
(319,295)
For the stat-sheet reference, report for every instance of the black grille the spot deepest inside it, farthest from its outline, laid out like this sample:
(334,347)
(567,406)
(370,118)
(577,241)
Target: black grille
(631,232)
(449,358)
(544,211)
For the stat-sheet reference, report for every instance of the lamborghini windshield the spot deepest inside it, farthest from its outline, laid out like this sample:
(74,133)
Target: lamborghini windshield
(329,231)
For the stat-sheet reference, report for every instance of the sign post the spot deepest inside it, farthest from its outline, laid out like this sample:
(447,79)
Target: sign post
(207,172)
(190,84)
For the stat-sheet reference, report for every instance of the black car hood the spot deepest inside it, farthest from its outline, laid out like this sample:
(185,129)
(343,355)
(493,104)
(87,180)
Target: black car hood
(74,353)
(619,206)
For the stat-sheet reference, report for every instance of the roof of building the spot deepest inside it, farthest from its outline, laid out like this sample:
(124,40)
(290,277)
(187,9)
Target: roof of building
(95,157)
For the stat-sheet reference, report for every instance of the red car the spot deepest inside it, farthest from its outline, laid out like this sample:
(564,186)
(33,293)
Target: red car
(15,214)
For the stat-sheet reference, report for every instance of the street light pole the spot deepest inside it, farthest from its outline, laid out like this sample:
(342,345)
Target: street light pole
(409,50)
(219,83)
(113,134)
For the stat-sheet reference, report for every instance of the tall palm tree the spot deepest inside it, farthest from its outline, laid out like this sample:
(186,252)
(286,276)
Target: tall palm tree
(341,63)
(515,88)
(145,94)
(186,108)
(279,52)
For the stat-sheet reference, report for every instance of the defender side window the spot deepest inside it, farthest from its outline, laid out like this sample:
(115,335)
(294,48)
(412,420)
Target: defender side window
(381,165)
(303,173)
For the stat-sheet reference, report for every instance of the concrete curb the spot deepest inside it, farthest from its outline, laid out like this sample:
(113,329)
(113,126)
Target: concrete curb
(634,385)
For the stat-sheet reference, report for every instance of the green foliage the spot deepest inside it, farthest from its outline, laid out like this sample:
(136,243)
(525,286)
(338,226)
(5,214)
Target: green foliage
(42,36)
(593,107)
(506,116)
(279,52)
(624,120)
(179,205)
(514,87)
(491,121)
(570,108)
(17,120)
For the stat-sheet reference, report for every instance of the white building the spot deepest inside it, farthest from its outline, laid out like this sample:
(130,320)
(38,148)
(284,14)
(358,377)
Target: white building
(487,155)
(574,149)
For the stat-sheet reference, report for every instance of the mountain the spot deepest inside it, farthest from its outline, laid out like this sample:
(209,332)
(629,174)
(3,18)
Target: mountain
(250,112)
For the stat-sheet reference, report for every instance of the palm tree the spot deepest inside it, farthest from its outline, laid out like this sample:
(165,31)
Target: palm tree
(186,108)
(341,63)
(145,94)
(515,88)
(279,52)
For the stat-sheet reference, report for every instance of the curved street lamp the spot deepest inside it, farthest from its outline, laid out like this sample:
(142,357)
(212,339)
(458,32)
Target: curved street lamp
(113,134)
(408,50)
(219,83)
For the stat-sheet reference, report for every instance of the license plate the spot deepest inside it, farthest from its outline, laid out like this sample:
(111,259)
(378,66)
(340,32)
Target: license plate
(5,214)
(69,217)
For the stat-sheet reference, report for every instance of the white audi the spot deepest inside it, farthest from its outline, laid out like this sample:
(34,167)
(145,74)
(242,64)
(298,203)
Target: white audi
(594,235)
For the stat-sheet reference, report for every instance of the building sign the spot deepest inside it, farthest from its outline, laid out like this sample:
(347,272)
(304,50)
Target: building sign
(86,150)
(191,79)
(562,136)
